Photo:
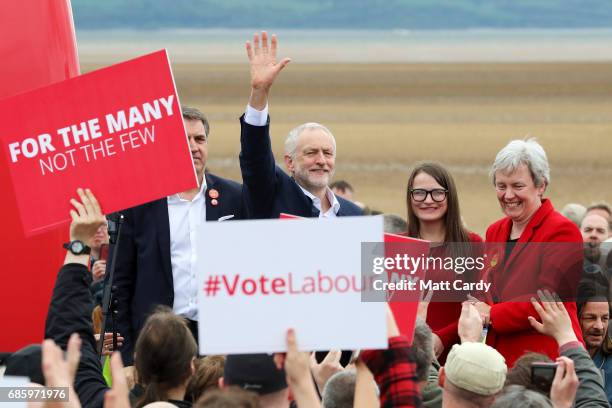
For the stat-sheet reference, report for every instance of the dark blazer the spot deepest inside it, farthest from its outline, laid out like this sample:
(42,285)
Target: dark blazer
(269,189)
(143,271)
(510,333)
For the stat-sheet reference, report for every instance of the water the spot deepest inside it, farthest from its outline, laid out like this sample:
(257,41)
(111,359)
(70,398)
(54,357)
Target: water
(362,46)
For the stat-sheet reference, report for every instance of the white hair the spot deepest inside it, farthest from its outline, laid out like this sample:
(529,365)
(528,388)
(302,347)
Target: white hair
(527,152)
(294,134)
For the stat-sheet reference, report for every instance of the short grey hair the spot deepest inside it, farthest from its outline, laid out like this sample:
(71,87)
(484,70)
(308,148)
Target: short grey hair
(339,391)
(520,397)
(528,152)
(294,134)
(191,113)
(422,344)
(394,224)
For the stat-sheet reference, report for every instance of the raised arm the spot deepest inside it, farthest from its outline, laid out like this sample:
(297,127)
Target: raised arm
(259,172)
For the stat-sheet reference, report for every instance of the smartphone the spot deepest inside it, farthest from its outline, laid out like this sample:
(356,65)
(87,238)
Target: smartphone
(542,375)
(103,252)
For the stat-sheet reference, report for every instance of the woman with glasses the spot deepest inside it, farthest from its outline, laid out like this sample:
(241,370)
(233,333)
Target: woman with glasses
(434,216)
(538,248)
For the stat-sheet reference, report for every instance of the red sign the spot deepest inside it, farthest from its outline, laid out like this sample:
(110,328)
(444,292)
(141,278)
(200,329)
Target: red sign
(118,131)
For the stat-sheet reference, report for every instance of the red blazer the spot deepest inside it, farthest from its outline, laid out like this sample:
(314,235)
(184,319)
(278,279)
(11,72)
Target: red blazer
(443,316)
(510,332)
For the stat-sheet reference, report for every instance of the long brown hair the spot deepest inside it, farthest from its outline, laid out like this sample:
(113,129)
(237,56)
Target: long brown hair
(164,351)
(455,231)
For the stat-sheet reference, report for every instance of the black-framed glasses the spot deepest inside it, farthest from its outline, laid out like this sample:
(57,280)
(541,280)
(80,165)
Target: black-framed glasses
(420,194)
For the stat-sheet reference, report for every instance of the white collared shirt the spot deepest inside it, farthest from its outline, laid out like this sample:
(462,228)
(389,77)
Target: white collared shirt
(185,217)
(332,212)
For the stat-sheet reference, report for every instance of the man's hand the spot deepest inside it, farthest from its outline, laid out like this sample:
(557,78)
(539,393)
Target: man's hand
(483,308)
(470,323)
(565,384)
(99,270)
(107,348)
(264,68)
(59,371)
(297,370)
(328,367)
(556,322)
(118,396)
(86,218)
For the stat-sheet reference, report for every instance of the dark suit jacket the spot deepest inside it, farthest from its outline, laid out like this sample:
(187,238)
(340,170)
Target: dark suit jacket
(143,271)
(270,190)
(510,333)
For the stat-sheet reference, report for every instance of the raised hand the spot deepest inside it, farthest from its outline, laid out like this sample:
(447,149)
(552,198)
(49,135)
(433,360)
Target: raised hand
(556,322)
(328,367)
(470,323)
(565,384)
(59,371)
(87,217)
(264,68)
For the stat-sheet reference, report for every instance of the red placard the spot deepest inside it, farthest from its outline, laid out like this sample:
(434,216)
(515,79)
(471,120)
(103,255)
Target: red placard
(118,131)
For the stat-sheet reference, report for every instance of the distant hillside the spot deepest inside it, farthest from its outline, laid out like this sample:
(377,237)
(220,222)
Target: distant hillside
(372,14)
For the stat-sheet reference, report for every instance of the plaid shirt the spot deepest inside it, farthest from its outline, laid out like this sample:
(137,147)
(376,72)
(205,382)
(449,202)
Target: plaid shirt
(395,372)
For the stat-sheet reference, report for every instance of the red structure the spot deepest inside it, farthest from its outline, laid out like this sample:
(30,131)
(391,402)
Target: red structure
(37,47)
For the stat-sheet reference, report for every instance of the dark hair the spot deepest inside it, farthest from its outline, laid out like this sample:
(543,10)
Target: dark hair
(164,351)
(600,206)
(230,397)
(341,185)
(206,377)
(520,374)
(455,231)
(190,113)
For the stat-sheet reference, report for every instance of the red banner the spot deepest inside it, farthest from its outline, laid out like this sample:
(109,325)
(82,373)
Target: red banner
(118,131)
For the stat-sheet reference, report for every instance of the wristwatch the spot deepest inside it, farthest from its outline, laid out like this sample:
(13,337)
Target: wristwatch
(77,247)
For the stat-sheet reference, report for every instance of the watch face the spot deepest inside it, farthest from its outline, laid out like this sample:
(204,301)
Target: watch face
(77,247)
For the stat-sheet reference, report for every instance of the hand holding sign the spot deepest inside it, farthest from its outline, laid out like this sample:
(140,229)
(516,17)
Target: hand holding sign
(87,217)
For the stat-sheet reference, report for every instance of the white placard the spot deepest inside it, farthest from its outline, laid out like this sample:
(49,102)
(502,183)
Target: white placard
(258,278)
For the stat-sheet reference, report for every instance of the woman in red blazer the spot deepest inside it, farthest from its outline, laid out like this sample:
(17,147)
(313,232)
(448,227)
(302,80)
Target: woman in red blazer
(434,216)
(520,175)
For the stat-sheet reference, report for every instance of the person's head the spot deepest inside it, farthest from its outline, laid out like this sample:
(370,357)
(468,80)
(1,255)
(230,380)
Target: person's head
(602,209)
(520,374)
(432,197)
(594,315)
(206,377)
(198,129)
(423,351)
(164,355)
(229,397)
(26,362)
(574,212)
(516,396)
(394,224)
(310,156)
(520,174)
(473,375)
(101,236)
(257,373)
(595,229)
(339,391)
(343,189)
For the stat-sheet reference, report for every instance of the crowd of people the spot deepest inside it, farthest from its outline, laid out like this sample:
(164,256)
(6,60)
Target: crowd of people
(488,350)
